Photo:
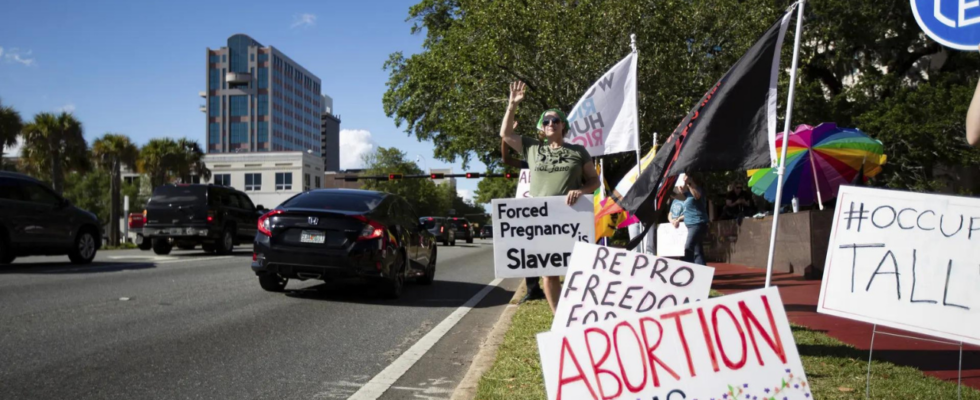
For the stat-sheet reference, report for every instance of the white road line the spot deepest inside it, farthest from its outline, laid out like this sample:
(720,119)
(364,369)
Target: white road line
(381,382)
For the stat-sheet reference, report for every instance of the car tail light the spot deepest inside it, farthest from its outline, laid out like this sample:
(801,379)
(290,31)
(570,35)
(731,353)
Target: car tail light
(442,229)
(372,230)
(144,214)
(464,225)
(255,256)
(210,216)
(265,227)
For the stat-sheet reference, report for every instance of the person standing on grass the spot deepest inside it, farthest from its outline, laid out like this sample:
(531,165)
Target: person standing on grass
(695,217)
(532,284)
(557,168)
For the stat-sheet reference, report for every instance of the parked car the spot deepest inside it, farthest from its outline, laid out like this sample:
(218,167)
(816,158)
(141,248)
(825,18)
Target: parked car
(136,222)
(34,220)
(464,229)
(487,232)
(187,215)
(342,233)
(444,232)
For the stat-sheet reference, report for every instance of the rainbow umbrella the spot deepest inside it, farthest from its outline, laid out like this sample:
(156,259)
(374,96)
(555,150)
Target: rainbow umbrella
(819,160)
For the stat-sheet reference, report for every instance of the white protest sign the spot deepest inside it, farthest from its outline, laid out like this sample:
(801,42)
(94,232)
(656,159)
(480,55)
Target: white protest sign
(607,283)
(670,240)
(535,236)
(524,184)
(605,119)
(732,347)
(905,260)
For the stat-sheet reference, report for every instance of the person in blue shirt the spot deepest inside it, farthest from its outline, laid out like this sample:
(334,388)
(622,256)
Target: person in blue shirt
(695,217)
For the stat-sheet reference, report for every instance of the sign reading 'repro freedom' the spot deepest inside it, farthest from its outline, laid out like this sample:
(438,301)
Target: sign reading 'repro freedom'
(905,260)
(535,236)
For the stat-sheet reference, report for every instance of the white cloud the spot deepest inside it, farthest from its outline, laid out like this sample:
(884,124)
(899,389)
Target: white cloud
(354,144)
(13,151)
(303,20)
(68,108)
(466,194)
(14,55)
(1,52)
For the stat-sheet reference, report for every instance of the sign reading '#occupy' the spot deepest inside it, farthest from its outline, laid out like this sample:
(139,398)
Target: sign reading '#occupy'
(535,236)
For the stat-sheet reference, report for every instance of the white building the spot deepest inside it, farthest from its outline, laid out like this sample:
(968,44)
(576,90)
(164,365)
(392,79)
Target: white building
(268,178)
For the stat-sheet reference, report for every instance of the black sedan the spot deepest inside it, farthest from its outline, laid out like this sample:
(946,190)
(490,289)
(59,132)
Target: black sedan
(341,233)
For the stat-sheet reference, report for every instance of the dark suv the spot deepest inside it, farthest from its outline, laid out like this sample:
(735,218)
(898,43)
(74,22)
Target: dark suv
(464,229)
(185,215)
(437,226)
(34,220)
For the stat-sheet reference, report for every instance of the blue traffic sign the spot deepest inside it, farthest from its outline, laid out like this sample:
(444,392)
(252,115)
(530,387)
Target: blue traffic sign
(953,23)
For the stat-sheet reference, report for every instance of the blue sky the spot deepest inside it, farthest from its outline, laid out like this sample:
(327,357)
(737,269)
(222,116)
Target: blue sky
(136,68)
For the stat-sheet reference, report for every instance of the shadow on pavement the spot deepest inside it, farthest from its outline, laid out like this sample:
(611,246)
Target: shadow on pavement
(51,268)
(441,294)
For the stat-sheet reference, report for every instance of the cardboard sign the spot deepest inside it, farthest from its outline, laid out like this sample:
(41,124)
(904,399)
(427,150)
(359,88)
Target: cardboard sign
(524,184)
(535,236)
(731,347)
(608,283)
(670,240)
(905,260)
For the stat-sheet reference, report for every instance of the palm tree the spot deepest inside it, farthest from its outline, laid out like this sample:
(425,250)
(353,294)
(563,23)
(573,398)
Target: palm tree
(156,160)
(52,144)
(111,152)
(190,161)
(10,127)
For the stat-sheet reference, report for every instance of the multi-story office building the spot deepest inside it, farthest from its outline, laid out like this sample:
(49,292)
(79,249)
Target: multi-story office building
(330,136)
(260,100)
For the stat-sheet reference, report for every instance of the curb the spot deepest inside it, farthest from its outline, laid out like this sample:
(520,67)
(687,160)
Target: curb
(466,390)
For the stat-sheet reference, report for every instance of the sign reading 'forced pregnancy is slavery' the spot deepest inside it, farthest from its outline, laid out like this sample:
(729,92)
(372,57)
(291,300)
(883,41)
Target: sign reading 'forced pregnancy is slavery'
(905,260)
(535,236)
(608,283)
(731,347)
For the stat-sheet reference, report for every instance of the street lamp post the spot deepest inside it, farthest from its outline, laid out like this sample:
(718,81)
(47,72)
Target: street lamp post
(420,157)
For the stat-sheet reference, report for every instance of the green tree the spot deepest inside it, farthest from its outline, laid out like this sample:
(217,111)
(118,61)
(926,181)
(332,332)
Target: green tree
(495,188)
(10,127)
(53,144)
(87,191)
(110,153)
(190,161)
(425,196)
(156,159)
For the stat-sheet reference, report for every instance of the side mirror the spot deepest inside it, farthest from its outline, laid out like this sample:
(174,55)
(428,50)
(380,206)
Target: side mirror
(260,207)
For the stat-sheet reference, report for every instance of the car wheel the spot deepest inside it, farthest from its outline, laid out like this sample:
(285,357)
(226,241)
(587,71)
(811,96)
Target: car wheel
(393,286)
(144,243)
(6,253)
(84,248)
(162,246)
(430,271)
(273,283)
(227,242)
(207,247)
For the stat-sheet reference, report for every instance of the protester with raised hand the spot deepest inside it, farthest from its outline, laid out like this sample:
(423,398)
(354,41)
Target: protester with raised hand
(532,283)
(557,168)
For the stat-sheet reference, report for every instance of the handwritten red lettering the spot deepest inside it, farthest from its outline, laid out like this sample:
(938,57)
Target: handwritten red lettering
(721,348)
(596,365)
(706,331)
(651,357)
(619,358)
(566,348)
(676,315)
(774,341)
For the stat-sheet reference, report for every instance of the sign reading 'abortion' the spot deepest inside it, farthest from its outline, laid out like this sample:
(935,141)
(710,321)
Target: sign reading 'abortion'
(905,260)
(535,236)
(730,347)
(608,283)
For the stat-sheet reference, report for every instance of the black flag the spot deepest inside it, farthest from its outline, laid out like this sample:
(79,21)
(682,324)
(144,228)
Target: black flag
(729,129)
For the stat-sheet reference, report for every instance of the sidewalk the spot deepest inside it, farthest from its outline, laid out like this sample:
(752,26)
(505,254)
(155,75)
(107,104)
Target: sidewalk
(800,298)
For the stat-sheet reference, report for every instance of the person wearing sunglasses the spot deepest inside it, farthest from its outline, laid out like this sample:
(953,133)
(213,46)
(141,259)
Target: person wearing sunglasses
(557,168)
(533,284)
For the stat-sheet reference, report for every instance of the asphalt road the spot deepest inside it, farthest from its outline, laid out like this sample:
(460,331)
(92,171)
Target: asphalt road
(194,326)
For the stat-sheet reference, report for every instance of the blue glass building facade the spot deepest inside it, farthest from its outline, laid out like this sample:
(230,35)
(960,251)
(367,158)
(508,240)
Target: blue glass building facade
(260,100)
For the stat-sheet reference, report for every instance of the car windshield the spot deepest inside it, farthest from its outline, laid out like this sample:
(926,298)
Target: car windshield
(428,223)
(182,195)
(461,223)
(332,200)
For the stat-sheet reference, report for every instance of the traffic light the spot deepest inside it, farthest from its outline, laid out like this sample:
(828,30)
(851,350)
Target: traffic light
(392,177)
(470,175)
(438,176)
(509,175)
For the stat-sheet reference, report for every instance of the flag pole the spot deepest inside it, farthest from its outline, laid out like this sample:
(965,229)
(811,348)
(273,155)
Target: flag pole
(636,138)
(786,131)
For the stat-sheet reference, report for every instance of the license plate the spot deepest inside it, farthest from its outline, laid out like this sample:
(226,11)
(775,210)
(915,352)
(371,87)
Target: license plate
(176,231)
(312,237)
